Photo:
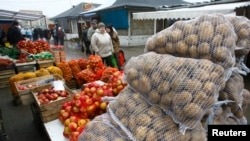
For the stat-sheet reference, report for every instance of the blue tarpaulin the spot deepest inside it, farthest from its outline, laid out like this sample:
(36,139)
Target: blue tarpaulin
(118,18)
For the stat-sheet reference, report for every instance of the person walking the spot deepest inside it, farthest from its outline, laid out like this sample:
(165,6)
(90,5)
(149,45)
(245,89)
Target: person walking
(61,35)
(85,40)
(29,33)
(35,34)
(14,34)
(91,31)
(116,43)
(2,37)
(54,32)
(47,35)
(102,44)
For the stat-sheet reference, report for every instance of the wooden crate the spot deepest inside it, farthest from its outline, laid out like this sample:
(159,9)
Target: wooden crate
(26,99)
(26,67)
(5,76)
(50,111)
(36,82)
(72,84)
(45,63)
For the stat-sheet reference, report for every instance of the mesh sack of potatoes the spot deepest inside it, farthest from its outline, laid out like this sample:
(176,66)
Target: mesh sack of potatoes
(209,36)
(240,64)
(142,121)
(241,26)
(100,129)
(246,100)
(184,87)
(233,91)
(222,115)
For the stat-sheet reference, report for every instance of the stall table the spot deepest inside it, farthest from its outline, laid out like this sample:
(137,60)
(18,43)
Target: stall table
(54,130)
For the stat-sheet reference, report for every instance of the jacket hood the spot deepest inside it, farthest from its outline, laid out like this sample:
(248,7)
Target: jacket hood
(98,31)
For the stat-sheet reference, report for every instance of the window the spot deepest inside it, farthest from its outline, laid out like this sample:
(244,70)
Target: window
(74,26)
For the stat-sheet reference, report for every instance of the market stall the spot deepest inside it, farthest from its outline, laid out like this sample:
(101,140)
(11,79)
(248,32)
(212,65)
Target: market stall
(189,77)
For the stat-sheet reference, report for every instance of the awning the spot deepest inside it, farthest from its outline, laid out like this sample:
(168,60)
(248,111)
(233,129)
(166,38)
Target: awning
(189,13)
(92,11)
(5,14)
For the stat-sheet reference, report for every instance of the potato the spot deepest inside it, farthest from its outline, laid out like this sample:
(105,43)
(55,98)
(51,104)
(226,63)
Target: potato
(143,120)
(217,41)
(119,139)
(188,28)
(193,52)
(124,121)
(229,42)
(224,29)
(163,87)
(205,31)
(168,122)
(145,82)
(178,25)
(193,85)
(166,100)
(154,97)
(151,135)
(175,35)
(140,133)
(243,33)
(120,112)
(170,48)
(182,48)
(209,87)
(132,74)
(221,54)
(204,48)
(209,102)
(132,124)
(176,135)
(161,50)
(130,105)
(154,111)
(191,39)
(181,98)
(198,133)
(160,40)
(192,110)
(101,138)
(150,44)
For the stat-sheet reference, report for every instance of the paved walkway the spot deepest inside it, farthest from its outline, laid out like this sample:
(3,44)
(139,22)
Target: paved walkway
(73,52)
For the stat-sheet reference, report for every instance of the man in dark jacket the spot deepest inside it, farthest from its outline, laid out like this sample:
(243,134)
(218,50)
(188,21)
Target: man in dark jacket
(2,37)
(14,34)
(85,40)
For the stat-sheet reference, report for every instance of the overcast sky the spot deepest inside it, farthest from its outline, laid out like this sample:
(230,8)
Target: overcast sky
(50,8)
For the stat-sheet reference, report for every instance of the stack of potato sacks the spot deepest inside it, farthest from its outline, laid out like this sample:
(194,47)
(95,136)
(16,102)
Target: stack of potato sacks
(187,78)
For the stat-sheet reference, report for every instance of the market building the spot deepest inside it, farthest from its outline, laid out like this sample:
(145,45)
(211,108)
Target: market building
(119,14)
